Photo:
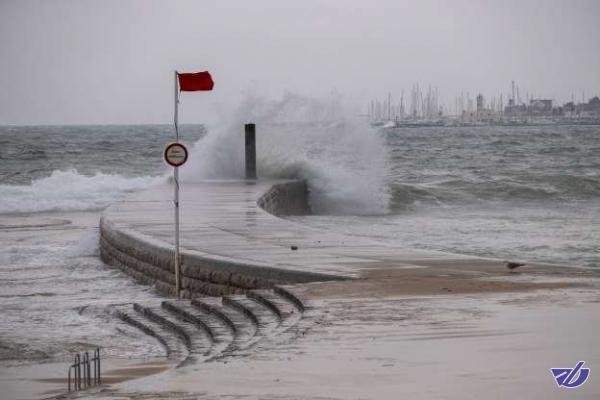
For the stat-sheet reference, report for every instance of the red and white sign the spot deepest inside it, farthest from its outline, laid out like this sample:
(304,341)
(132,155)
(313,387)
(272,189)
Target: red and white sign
(176,154)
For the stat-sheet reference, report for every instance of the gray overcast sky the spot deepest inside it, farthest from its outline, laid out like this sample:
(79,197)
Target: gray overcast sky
(84,61)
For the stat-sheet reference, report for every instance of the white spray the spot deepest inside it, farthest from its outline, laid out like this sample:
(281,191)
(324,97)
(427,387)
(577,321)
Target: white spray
(343,160)
(70,191)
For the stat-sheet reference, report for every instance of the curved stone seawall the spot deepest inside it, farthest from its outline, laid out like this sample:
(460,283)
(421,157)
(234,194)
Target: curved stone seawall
(151,261)
(289,198)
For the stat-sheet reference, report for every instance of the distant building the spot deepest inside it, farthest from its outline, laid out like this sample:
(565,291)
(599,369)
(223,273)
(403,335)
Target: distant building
(540,107)
(569,110)
(482,114)
(515,110)
(569,107)
(468,117)
(480,106)
(592,106)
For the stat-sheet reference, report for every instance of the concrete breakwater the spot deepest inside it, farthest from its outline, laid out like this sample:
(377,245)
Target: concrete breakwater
(397,319)
(289,198)
(151,261)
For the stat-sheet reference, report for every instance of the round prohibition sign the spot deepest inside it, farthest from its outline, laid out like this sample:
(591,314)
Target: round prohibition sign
(176,154)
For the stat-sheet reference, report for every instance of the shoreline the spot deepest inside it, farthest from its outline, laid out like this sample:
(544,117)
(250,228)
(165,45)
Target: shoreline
(251,248)
(388,347)
(339,281)
(228,222)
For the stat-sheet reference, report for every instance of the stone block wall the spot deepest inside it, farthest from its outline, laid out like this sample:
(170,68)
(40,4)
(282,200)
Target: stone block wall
(152,262)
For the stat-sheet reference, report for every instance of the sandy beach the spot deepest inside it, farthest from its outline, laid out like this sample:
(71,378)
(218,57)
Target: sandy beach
(401,323)
(434,346)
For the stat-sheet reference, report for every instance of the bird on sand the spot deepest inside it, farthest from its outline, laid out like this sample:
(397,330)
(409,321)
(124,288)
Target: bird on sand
(511,265)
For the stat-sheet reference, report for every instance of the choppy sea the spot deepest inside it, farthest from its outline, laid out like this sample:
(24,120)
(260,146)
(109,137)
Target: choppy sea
(530,193)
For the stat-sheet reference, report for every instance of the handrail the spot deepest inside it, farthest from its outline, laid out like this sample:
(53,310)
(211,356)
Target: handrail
(84,363)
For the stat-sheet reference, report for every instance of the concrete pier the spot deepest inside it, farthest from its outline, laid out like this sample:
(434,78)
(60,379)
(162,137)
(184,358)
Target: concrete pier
(362,318)
(232,241)
(229,243)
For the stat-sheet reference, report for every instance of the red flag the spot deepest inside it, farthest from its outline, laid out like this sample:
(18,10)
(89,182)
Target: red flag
(194,81)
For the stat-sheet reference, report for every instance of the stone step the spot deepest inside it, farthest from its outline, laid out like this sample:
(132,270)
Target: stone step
(291,297)
(204,328)
(285,310)
(198,343)
(220,333)
(175,348)
(262,316)
(244,330)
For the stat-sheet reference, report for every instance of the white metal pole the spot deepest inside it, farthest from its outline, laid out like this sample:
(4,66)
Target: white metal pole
(176,189)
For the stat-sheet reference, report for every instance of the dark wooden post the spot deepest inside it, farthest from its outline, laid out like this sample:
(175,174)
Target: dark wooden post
(250,151)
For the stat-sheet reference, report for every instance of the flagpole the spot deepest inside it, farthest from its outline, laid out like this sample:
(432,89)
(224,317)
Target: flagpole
(176,190)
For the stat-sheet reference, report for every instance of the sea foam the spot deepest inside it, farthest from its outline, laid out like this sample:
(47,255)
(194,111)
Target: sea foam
(320,140)
(70,191)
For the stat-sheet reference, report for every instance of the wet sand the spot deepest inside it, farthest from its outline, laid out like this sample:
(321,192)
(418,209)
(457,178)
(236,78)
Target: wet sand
(432,277)
(48,380)
(404,324)
(479,345)
(400,334)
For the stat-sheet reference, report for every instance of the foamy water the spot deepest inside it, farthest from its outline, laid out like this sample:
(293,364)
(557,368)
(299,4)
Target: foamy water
(69,190)
(527,193)
(55,293)
(530,193)
(321,141)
